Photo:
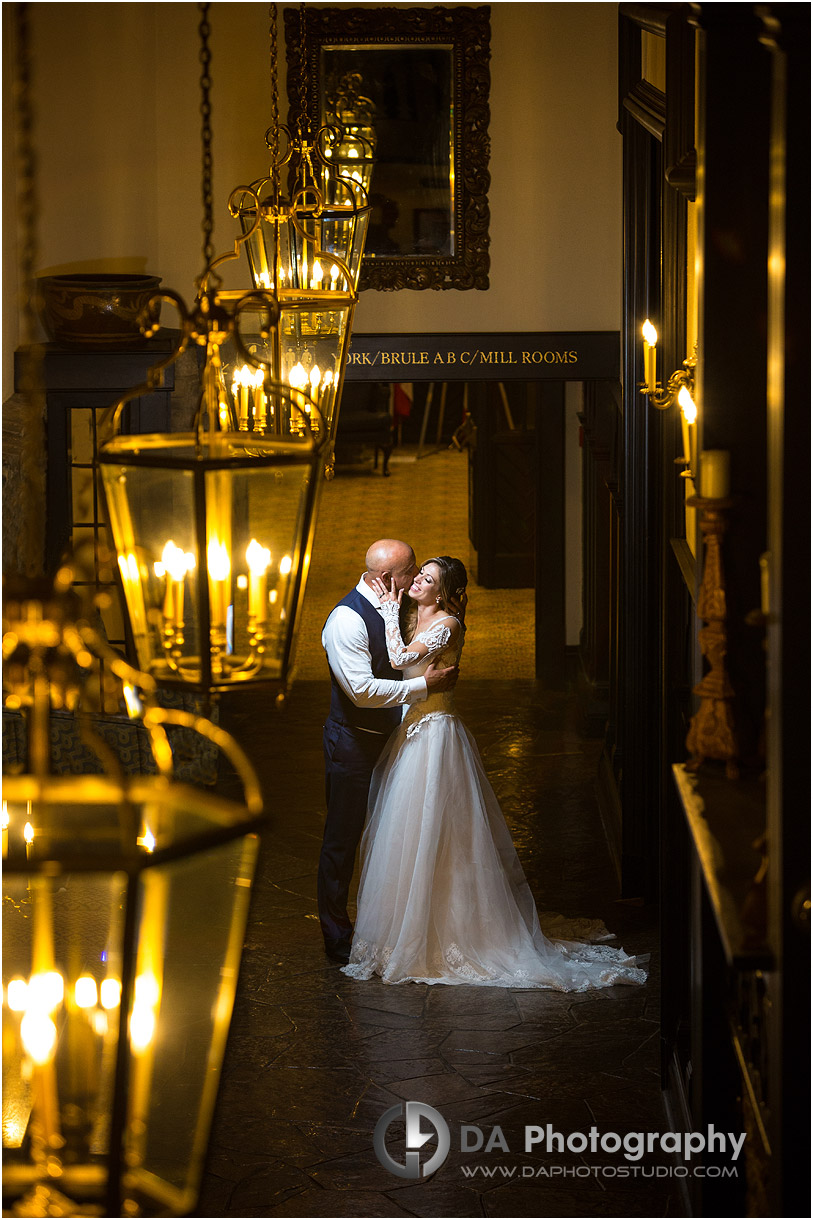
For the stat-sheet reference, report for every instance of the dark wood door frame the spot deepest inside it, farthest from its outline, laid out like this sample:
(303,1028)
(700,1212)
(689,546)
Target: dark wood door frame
(550,359)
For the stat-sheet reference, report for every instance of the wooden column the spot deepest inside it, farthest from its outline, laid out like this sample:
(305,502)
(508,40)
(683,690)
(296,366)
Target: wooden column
(550,536)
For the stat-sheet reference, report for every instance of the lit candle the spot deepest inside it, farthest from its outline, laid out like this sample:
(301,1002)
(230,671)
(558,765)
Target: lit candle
(715,468)
(175,563)
(219,566)
(764,583)
(297,377)
(241,382)
(688,418)
(650,355)
(315,378)
(28,835)
(258,558)
(316,282)
(259,397)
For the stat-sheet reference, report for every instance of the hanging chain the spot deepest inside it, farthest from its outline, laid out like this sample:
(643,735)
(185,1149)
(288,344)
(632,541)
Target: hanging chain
(304,119)
(206,133)
(32,526)
(274,142)
(27,201)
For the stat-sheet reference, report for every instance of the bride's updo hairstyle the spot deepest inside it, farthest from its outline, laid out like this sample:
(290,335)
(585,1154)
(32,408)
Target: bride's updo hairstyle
(453,577)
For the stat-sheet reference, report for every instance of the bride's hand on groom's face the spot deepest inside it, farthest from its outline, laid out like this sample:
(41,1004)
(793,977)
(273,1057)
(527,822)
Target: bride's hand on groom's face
(385,594)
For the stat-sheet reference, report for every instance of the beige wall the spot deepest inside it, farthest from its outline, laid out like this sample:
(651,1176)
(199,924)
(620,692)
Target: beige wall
(118,140)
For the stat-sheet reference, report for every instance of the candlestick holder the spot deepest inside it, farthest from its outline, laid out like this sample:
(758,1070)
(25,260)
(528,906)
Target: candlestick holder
(711,731)
(662,399)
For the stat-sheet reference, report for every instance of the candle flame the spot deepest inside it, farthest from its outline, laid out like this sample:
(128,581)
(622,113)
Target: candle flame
(28,833)
(147,840)
(297,377)
(688,405)
(315,377)
(317,270)
(142,1018)
(6,818)
(38,1034)
(45,991)
(17,995)
(243,376)
(110,993)
(649,333)
(264,279)
(258,557)
(175,561)
(218,561)
(285,565)
(85,991)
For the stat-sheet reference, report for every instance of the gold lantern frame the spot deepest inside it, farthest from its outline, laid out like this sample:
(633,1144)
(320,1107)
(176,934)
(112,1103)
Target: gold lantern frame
(111,861)
(183,641)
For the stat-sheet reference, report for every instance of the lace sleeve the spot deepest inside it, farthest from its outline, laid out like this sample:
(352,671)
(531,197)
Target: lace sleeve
(435,638)
(397,650)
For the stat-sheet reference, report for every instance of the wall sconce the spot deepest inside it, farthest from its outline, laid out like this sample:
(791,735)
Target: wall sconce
(679,389)
(125,901)
(681,378)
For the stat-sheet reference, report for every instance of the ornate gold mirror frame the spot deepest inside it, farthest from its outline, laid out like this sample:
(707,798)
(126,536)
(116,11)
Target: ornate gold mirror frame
(422,78)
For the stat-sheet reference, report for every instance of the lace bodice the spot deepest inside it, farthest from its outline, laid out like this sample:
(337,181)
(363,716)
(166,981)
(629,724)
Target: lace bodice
(441,652)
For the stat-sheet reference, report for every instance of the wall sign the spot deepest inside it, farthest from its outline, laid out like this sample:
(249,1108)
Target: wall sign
(589,355)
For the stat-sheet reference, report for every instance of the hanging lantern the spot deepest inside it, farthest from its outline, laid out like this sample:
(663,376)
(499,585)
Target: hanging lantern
(125,903)
(315,238)
(305,351)
(213,529)
(352,117)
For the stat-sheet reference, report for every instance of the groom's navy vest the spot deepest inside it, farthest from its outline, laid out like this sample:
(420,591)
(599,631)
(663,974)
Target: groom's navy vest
(343,709)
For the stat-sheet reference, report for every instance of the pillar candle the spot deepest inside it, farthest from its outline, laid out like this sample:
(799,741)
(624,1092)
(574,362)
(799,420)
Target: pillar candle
(715,467)
(650,355)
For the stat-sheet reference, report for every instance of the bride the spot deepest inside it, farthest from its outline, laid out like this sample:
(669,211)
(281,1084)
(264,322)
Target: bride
(442,896)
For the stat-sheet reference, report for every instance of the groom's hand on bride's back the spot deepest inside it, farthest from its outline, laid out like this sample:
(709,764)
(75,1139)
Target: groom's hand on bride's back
(440,679)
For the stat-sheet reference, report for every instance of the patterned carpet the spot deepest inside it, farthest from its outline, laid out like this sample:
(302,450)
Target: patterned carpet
(424,502)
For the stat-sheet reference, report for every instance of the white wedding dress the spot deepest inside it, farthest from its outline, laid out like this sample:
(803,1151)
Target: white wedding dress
(442,896)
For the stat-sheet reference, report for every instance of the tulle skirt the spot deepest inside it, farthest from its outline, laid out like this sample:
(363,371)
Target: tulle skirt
(443,897)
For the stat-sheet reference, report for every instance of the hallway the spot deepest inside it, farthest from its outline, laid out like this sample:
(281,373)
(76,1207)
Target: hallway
(314,1059)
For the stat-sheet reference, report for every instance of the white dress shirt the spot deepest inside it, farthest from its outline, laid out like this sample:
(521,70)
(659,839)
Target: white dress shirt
(345,641)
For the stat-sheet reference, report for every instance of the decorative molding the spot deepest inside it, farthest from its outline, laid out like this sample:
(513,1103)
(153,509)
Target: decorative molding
(468,31)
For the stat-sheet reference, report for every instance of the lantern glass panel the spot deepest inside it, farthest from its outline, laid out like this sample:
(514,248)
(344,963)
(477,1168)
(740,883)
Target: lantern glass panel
(340,230)
(308,353)
(96,919)
(223,568)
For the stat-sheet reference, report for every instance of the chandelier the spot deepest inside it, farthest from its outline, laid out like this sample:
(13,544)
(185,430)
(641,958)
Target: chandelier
(213,529)
(125,902)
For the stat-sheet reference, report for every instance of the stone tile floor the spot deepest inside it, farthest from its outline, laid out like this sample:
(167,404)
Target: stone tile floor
(314,1059)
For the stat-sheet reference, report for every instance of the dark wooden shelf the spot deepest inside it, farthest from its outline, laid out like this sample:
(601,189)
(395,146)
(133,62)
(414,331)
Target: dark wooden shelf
(725,819)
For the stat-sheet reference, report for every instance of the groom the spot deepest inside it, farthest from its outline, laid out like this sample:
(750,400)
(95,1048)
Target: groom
(366,704)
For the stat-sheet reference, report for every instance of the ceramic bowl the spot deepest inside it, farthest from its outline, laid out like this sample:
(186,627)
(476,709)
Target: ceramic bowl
(98,309)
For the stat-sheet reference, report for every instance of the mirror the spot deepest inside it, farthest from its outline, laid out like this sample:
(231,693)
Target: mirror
(415,83)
